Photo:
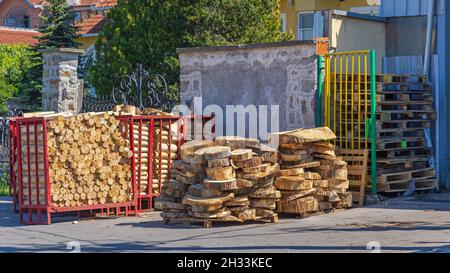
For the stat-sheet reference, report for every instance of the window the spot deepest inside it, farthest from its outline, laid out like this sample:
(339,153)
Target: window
(283,22)
(77,16)
(291,3)
(18,17)
(306,26)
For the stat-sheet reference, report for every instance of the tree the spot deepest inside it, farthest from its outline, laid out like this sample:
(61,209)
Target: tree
(57,26)
(57,31)
(148,32)
(15,63)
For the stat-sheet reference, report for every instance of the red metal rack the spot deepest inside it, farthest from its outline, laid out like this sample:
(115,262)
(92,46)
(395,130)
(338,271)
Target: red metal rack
(12,160)
(42,208)
(38,181)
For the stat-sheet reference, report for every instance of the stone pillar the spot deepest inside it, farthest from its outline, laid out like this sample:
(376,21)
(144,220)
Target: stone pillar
(62,91)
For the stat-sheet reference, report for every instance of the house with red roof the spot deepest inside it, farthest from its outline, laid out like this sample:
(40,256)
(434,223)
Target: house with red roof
(19,19)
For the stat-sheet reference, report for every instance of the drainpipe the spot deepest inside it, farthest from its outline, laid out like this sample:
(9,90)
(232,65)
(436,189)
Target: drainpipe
(428,45)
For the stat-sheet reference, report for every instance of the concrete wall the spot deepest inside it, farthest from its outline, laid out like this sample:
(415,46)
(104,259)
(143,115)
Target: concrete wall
(281,74)
(348,34)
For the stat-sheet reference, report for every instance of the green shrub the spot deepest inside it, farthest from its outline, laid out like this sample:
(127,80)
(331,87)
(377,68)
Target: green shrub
(15,63)
(4,184)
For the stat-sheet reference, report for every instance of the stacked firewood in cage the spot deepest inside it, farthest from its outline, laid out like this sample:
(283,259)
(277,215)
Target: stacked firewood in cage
(311,178)
(88,157)
(228,180)
(164,141)
(32,167)
(165,151)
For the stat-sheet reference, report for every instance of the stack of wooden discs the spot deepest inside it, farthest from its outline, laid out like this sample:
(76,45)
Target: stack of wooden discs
(334,170)
(295,181)
(255,183)
(207,199)
(184,173)
(311,178)
(170,200)
(89,161)
(215,193)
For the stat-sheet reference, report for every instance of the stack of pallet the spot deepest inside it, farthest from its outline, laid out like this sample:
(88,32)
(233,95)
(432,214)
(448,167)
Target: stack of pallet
(311,177)
(404,111)
(226,183)
(89,161)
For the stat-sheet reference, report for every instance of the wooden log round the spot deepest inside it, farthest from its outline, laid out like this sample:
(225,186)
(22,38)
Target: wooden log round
(188,148)
(241,154)
(218,163)
(201,201)
(290,172)
(224,185)
(221,173)
(217,152)
(210,215)
(253,162)
(293,183)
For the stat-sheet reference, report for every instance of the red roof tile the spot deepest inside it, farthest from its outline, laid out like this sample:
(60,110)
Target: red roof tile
(36,2)
(88,2)
(15,36)
(92,25)
(96,3)
(106,3)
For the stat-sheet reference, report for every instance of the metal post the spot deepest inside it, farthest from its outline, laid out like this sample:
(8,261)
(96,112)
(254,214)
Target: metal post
(319,110)
(373,98)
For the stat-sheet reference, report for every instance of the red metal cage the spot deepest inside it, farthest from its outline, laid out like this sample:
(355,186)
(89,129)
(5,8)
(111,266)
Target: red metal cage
(30,180)
(154,140)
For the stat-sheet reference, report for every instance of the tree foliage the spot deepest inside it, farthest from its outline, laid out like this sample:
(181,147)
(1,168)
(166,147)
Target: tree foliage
(148,32)
(57,31)
(57,26)
(15,63)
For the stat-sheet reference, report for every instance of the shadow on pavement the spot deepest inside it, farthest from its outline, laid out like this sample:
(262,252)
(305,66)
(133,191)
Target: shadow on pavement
(145,247)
